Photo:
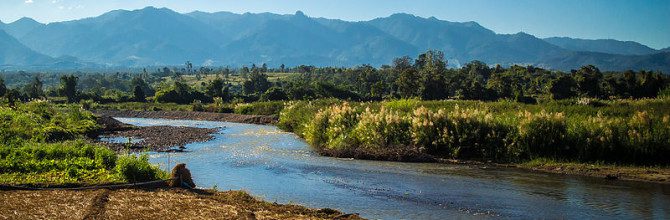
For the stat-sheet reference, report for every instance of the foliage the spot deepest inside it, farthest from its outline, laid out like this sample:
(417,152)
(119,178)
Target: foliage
(259,108)
(43,121)
(67,162)
(68,87)
(620,132)
(132,168)
(180,93)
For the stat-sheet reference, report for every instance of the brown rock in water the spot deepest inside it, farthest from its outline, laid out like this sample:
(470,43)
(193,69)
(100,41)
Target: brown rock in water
(181,177)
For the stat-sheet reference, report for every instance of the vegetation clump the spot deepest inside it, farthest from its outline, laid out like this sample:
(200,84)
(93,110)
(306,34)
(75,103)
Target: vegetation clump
(42,143)
(486,131)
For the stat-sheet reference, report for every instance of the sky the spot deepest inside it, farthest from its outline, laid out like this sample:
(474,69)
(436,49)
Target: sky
(643,21)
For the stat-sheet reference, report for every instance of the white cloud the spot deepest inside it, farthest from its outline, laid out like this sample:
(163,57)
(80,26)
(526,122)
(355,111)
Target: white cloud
(28,1)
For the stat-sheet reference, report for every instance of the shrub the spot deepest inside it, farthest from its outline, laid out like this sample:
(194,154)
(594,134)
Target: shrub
(197,106)
(429,130)
(384,129)
(473,133)
(132,168)
(542,135)
(259,108)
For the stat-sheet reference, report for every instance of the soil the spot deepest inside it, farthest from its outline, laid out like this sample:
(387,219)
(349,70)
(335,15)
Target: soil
(154,138)
(162,203)
(206,116)
(609,172)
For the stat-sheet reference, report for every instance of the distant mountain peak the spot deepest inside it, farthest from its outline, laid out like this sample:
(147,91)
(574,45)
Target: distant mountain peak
(610,46)
(402,15)
(25,20)
(300,14)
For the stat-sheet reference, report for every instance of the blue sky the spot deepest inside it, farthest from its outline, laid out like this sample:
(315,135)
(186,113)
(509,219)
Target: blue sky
(644,21)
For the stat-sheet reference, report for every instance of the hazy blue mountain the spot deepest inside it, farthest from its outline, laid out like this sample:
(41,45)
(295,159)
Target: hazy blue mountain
(610,62)
(667,49)
(21,27)
(140,37)
(153,36)
(602,46)
(13,53)
(465,41)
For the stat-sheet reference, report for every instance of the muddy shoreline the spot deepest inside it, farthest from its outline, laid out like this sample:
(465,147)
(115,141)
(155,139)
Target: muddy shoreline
(152,138)
(204,116)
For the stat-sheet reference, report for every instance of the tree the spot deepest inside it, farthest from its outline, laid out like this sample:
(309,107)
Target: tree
(3,88)
(12,95)
(431,66)
(408,78)
(146,88)
(138,94)
(562,88)
(189,67)
(257,83)
(68,87)
(264,68)
(589,79)
(33,90)
(215,88)
(274,94)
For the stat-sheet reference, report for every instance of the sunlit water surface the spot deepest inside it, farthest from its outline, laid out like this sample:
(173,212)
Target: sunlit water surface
(280,167)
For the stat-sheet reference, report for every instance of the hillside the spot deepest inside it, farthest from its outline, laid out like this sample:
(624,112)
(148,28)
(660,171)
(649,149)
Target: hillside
(160,36)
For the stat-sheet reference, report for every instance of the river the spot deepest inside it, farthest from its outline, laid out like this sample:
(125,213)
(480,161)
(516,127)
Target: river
(280,167)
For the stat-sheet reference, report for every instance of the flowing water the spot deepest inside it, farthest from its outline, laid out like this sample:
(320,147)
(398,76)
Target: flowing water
(280,167)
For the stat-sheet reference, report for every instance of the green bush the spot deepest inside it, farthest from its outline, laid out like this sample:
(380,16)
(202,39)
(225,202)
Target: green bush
(385,129)
(259,108)
(137,169)
(542,135)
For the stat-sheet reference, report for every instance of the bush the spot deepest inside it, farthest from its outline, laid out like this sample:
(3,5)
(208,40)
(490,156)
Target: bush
(259,108)
(542,135)
(137,169)
(385,129)
(197,106)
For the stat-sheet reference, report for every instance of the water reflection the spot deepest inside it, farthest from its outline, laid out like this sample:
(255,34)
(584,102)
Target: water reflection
(278,166)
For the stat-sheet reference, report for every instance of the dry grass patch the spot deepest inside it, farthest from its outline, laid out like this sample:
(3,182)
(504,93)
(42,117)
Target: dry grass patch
(150,204)
(52,204)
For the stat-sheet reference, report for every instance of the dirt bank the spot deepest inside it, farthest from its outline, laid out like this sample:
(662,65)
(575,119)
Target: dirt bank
(150,204)
(610,172)
(153,138)
(206,116)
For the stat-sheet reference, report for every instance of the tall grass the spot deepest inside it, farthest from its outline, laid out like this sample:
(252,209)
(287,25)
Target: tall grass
(622,131)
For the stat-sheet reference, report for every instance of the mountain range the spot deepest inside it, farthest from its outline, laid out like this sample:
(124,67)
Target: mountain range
(160,36)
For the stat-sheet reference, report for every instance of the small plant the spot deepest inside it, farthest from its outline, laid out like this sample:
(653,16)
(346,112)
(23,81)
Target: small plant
(132,168)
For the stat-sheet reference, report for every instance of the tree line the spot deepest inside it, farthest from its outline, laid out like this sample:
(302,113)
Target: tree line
(427,77)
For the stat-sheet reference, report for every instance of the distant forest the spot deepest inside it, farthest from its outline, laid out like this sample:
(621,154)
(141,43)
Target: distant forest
(426,77)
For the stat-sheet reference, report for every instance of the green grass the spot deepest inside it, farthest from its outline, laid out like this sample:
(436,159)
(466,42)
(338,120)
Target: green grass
(44,144)
(71,162)
(41,121)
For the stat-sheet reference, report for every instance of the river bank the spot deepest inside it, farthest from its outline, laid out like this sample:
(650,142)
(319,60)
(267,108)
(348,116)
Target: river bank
(152,138)
(150,204)
(190,115)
